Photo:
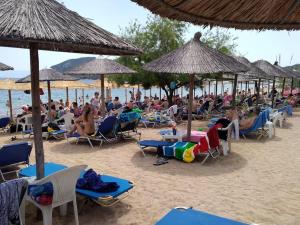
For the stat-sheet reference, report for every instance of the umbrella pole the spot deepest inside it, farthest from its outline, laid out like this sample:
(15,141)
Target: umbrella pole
(208,87)
(268,86)
(36,111)
(234,89)
(102,95)
(190,107)
(160,93)
(10,105)
(126,95)
(216,90)
(222,88)
(181,92)
(67,94)
(76,97)
(292,84)
(258,91)
(49,100)
(273,95)
(283,86)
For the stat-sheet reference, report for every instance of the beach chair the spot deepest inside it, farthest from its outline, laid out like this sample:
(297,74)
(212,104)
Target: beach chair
(189,216)
(106,132)
(4,122)
(13,155)
(153,144)
(64,184)
(104,199)
(258,126)
(127,125)
(65,121)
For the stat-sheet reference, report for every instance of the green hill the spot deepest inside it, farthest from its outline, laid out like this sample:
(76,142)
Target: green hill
(71,63)
(294,67)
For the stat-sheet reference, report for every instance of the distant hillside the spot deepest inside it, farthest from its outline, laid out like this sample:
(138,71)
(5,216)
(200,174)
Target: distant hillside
(71,63)
(295,67)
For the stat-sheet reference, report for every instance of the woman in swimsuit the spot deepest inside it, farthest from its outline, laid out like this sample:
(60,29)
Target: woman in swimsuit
(84,124)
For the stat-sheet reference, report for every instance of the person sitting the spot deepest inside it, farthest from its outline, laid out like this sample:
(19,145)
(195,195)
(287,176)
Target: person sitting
(248,122)
(53,113)
(75,110)
(117,103)
(128,107)
(84,124)
(60,111)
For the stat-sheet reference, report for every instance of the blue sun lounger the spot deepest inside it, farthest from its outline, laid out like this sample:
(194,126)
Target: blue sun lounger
(103,199)
(153,144)
(189,216)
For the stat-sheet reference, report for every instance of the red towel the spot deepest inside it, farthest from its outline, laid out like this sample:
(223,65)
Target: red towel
(202,146)
(213,136)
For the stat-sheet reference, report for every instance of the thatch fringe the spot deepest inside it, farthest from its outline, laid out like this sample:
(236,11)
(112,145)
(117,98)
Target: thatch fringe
(55,28)
(242,14)
(4,67)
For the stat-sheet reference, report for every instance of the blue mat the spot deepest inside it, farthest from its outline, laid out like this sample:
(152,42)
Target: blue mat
(51,168)
(194,217)
(155,143)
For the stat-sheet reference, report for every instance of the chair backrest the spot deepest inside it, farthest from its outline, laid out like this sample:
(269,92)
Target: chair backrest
(107,126)
(4,121)
(28,119)
(15,154)
(68,117)
(64,184)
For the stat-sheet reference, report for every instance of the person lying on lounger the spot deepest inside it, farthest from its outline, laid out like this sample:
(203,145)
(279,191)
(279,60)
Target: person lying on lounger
(248,122)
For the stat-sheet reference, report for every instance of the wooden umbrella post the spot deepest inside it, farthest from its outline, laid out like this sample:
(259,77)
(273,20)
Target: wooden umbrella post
(234,89)
(190,106)
(159,93)
(216,90)
(283,86)
(102,96)
(273,94)
(10,105)
(76,97)
(126,98)
(83,96)
(49,99)
(208,87)
(67,94)
(258,91)
(36,110)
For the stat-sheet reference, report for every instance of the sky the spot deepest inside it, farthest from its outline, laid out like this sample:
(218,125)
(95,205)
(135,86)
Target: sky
(112,15)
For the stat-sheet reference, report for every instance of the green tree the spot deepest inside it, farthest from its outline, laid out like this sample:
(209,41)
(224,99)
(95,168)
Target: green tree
(157,37)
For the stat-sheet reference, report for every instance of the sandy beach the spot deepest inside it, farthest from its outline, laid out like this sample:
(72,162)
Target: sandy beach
(259,182)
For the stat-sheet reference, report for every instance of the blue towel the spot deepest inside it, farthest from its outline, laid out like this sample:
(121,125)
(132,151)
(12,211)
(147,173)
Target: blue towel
(11,195)
(92,181)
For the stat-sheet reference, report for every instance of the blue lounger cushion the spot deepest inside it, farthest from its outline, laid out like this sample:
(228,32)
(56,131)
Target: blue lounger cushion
(51,168)
(155,143)
(194,217)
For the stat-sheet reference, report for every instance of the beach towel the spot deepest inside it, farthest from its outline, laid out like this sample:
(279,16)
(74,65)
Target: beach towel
(169,151)
(92,181)
(179,150)
(42,193)
(11,195)
(213,136)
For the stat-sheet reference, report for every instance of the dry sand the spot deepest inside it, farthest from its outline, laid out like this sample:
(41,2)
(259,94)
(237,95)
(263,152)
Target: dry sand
(259,182)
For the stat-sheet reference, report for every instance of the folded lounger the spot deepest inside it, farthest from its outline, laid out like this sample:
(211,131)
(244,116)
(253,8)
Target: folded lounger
(189,216)
(153,144)
(104,199)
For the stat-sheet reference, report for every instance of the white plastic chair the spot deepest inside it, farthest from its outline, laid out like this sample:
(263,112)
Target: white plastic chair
(64,184)
(27,122)
(68,117)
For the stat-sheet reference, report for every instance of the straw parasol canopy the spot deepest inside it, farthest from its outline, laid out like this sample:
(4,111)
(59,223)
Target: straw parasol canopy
(4,67)
(195,58)
(38,21)
(9,85)
(36,24)
(100,67)
(240,14)
(47,75)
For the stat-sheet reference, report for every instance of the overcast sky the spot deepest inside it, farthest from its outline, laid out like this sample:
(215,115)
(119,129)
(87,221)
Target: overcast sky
(113,14)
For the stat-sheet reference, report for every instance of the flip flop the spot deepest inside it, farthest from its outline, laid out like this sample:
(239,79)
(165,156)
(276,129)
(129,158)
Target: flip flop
(160,161)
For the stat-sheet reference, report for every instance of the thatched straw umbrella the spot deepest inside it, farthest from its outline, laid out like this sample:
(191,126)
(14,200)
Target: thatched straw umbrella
(70,84)
(253,73)
(242,14)
(100,67)
(36,24)
(191,59)
(48,75)
(9,85)
(271,70)
(4,67)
